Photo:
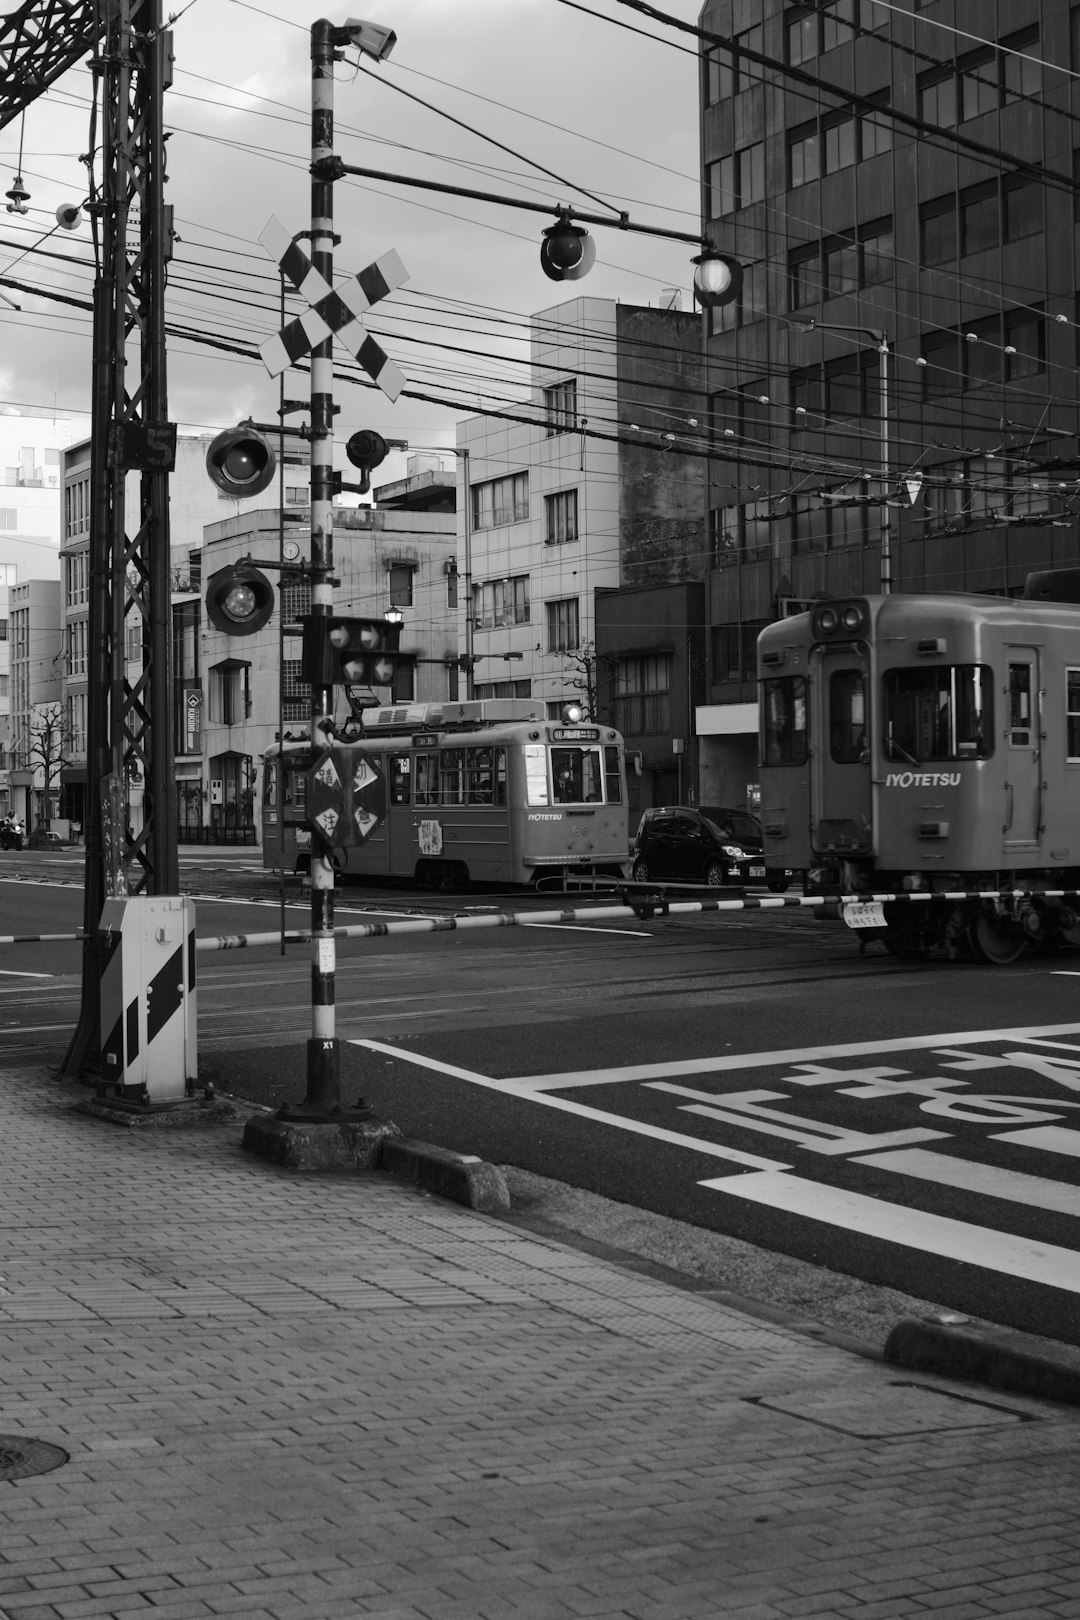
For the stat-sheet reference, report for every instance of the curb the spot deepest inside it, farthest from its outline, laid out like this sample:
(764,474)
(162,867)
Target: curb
(961,1353)
(460,1176)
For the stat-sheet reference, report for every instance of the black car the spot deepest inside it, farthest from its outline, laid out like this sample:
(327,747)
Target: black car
(712,845)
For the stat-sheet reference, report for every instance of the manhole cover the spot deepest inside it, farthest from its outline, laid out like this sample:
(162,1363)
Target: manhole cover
(896,1409)
(20,1457)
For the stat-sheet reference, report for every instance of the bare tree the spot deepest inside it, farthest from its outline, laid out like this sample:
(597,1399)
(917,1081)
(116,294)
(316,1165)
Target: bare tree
(46,750)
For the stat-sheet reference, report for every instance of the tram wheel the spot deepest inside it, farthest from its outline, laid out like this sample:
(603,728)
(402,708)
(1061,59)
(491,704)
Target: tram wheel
(640,873)
(994,942)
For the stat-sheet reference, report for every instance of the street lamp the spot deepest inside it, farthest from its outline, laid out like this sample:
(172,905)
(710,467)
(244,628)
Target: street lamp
(882,342)
(717,278)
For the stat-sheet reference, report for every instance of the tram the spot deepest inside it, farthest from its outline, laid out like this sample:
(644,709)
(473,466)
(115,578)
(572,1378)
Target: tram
(489,791)
(929,747)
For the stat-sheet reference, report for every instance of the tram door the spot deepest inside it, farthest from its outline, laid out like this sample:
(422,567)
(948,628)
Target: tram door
(1023,746)
(841,808)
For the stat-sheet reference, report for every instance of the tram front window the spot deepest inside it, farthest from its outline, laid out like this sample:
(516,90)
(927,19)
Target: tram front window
(577,776)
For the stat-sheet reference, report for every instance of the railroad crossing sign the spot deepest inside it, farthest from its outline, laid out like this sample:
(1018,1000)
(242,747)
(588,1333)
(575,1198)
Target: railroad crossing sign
(346,796)
(332,313)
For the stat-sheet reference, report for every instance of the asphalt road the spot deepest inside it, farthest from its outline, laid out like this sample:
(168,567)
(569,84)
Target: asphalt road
(751,1073)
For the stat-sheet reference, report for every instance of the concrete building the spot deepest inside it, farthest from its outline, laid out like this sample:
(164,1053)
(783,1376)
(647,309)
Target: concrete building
(37,739)
(895,392)
(603,491)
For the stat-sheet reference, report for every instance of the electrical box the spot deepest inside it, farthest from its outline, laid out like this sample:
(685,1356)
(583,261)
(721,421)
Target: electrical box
(149,1044)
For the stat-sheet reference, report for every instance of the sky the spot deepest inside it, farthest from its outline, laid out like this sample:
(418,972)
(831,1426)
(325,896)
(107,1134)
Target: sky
(609,113)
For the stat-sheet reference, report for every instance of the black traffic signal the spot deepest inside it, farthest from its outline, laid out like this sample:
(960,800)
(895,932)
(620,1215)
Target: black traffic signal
(366,449)
(350,652)
(567,252)
(241,462)
(239,599)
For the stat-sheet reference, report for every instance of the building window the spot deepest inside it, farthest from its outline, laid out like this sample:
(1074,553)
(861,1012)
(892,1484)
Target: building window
(297,495)
(501,602)
(643,694)
(747,73)
(983,80)
(1025,345)
(804,154)
(838,143)
(560,407)
(401,584)
(723,535)
(801,35)
(750,173)
(230,693)
(755,523)
(840,256)
(937,231)
(875,130)
(720,187)
(876,252)
(295,599)
(295,691)
(563,625)
(804,276)
(717,78)
(561,517)
(501,501)
(734,649)
(979,218)
(1022,209)
(937,97)
(9,518)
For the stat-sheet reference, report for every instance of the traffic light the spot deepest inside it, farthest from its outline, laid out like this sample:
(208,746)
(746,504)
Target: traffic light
(239,599)
(240,462)
(567,252)
(350,652)
(366,450)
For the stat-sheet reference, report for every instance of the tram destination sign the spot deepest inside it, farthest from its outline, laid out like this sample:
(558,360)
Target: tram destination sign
(575,734)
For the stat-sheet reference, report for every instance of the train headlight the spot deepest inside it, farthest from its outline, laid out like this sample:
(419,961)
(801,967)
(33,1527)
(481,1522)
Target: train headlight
(827,621)
(851,618)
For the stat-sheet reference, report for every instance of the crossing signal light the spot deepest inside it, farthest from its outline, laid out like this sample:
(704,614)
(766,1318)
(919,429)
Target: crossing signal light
(240,462)
(350,652)
(366,449)
(239,599)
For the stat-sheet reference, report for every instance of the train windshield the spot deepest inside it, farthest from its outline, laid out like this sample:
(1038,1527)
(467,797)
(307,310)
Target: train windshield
(944,713)
(783,721)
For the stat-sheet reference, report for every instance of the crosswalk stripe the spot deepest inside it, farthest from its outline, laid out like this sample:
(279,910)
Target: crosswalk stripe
(1002,1252)
(1047,1138)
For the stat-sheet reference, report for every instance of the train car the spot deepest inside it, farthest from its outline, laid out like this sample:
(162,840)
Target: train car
(929,746)
(489,791)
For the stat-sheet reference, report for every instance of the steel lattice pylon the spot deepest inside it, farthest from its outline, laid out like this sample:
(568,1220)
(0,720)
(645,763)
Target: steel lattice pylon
(128,724)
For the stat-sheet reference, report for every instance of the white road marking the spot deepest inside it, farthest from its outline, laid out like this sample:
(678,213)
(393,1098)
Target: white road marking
(912,1228)
(985,1179)
(759,1060)
(10,973)
(636,1127)
(1048,1138)
(743,1108)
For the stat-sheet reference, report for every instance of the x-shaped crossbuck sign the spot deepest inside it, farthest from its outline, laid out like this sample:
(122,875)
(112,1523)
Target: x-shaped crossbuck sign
(332,313)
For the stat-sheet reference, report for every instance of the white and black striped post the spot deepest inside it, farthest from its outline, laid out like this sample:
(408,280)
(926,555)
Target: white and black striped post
(323,1099)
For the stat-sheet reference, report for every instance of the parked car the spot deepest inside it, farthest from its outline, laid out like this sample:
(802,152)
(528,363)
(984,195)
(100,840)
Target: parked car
(710,845)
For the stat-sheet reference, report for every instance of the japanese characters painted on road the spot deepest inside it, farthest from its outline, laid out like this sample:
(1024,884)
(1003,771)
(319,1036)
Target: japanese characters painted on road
(346,796)
(332,313)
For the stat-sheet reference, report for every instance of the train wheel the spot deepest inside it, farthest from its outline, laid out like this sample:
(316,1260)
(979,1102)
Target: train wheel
(994,942)
(640,873)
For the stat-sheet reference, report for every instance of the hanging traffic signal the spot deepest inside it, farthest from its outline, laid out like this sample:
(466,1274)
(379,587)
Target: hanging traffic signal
(350,652)
(240,462)
(239,599)
(567,252)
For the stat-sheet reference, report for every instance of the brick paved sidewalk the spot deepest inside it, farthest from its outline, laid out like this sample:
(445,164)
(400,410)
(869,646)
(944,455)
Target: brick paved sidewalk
(287,1395)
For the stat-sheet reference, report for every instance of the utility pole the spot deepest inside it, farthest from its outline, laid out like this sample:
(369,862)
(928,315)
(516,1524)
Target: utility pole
(128,725)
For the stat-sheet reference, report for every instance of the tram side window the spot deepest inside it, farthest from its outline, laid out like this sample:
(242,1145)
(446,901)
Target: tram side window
(270,776)
(783,720)
(486,768)
(400,777)
(452,776)
(536,777)
(847,717)
(426,786)
(576,775)
(612,776)
(940,713)
(1072,715)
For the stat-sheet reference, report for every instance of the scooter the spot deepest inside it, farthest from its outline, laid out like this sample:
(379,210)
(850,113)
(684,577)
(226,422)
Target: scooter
(11,833)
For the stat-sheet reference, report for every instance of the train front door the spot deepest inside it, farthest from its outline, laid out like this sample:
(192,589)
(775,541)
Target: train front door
(841,807)
(1023,747)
